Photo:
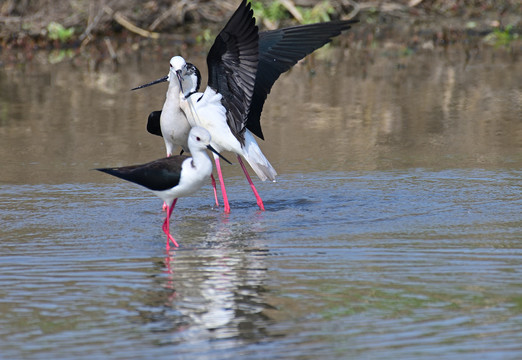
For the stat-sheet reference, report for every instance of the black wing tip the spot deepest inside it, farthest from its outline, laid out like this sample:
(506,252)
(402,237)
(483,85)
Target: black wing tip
(347,24)
(334,26)
(121,173)
(110,171)
(257,132)
(246,4)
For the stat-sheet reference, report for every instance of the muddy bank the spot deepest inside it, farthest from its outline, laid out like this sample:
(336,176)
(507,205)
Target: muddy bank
(107,30)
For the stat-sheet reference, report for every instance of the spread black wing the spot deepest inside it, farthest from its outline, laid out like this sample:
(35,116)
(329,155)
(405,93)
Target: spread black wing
(232,66)
(153,123)
(162,174)
(281,49)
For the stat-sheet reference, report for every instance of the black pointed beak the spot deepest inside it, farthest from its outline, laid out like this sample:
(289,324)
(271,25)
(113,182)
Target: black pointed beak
(180,79)
(163,79)
(218,154)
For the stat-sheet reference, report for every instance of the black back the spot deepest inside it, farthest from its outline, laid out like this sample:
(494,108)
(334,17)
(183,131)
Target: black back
(281,49)
(158,175)
(232,65)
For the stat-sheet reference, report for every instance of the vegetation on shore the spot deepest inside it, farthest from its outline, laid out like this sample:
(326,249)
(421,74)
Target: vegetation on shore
(37,24)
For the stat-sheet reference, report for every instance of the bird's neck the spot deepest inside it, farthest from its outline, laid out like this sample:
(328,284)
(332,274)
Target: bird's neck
(200,159)
(173,93)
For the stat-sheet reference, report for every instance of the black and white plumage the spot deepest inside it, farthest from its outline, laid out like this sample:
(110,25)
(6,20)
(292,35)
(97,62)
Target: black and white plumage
(223,108)
(232,65)
(279,50)
(175,176)
(171,122)
(240,78)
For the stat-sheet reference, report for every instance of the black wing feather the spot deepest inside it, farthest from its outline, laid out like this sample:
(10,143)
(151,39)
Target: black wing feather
(153,123)
(278,51)
(232,65)
(281,49)
(162,174)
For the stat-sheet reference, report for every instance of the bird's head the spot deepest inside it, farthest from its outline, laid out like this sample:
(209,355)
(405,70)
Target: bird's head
(199,139)
(191,80)
(188,75)
(185,74)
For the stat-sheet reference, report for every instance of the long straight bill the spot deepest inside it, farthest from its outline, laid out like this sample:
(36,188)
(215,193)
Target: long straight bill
(163,79)
(218,154)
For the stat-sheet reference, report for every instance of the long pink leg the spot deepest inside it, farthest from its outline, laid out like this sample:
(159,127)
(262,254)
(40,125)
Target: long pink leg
(165,206)
(166,225)
(222,184)
(256,194)
(215,189)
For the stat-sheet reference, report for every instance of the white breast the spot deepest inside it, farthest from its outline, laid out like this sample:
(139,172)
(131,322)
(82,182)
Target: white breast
(209,113)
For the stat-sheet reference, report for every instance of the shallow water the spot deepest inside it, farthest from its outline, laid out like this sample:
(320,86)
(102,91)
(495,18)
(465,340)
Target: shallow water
(394,230)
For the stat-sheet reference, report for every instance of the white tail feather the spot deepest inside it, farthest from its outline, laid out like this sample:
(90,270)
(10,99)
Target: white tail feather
(256,159)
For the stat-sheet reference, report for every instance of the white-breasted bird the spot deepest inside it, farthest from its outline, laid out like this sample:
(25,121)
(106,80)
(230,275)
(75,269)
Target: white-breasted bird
(171,121)
(175,176)
(223,108)
(278,51)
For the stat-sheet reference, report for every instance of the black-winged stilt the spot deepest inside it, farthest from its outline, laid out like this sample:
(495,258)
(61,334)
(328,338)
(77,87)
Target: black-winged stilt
(171,122)
(175,176)
(223,108)
(278,51)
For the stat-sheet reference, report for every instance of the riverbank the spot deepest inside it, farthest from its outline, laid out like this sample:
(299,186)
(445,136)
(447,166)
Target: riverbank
(107,30)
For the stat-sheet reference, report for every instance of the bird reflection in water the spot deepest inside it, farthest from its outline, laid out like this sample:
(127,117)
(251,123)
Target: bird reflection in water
(216,291)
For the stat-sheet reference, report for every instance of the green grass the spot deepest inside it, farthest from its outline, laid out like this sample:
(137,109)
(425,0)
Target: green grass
(56,31)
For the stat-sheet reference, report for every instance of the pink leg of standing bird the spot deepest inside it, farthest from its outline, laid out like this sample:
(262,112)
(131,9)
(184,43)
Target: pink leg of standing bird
(215,189)
(222,184)
(166,225)
(165,207)
(256,194)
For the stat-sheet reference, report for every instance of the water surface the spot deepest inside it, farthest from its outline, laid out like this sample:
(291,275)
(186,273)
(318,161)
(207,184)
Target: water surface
(394,230)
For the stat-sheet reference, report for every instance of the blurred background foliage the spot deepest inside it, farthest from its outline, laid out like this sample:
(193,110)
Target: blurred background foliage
(37,24)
